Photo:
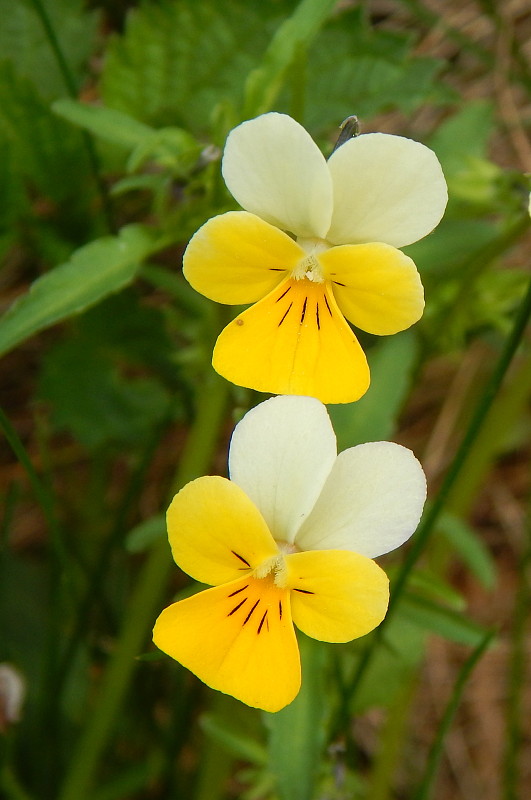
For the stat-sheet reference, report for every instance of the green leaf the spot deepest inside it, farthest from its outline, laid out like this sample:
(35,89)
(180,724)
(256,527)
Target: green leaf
(106,123)
(392,665)
(426,584)
(47,151)
(23,40)
(353,68)
(178,61)
(92,273)
(291,38)
(469,546)
(442,621)
(296,733)
(464,136)
(373,418)
(99,406)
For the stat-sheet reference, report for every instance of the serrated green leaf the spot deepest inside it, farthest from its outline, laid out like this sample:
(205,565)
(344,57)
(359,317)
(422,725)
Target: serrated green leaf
(469,547)
(93,272)
(354,69)
(177,61)
(373,418)
(48,152)
(296,733)
(23,41)
(442,621)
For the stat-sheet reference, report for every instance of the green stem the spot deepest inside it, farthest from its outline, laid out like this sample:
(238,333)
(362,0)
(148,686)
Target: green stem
(469,270)
(427,525)
(102,563)
(145,600)
(515,738)
(392,741)
(59,575)
(72,91)
(41,493)
(425,787)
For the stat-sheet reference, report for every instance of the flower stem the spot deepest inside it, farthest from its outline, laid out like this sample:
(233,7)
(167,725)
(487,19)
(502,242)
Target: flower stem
(70,84)
(427,525)
(426,785)
(141,610)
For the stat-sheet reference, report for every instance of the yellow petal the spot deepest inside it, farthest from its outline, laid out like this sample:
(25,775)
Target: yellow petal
(336,595)
(237,638)
(294,341)
(376,286)
(216,533)
(238,258)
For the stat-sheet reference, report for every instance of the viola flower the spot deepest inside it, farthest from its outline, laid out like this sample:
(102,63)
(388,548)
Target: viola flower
(288,539)
(345,218)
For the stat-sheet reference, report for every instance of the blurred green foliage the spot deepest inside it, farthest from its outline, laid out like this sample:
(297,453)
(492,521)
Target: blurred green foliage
(113,116)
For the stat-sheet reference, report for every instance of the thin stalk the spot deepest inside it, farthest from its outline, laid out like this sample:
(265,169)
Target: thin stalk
(97,574)
(59,570)
(42,494)
(71,87)
(426,785)
(427,525)
(469,270)
(392,741)
(515,737)
(142,608)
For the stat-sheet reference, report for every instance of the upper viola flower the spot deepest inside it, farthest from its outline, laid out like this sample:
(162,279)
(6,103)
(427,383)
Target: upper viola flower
(346,217)
(288,539)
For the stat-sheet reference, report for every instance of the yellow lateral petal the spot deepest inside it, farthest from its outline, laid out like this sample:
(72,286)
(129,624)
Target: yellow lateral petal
(336,595)
(237,638)
(216,533)
(237,258)
(294,341)
(376,286)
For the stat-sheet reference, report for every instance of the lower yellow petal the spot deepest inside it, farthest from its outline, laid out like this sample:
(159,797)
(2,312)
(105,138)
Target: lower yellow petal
(237,638)
(336,595)
(376,286)
(216,532)
(238,258)
(294,341)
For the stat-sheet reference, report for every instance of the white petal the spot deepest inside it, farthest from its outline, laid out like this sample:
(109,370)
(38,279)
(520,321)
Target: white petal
(281,454)
(274,169)
(386,189)
(371,502)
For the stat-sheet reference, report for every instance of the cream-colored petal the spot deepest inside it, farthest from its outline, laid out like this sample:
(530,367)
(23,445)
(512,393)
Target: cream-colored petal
(386,189)
(237,258)
(376,286)
(294,341)
(280,454)
(274,169)
(371,502)
(239,639)
(336,596)
(216,532)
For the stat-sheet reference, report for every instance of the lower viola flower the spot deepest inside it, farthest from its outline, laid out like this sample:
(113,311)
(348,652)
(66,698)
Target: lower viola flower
(289,539)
